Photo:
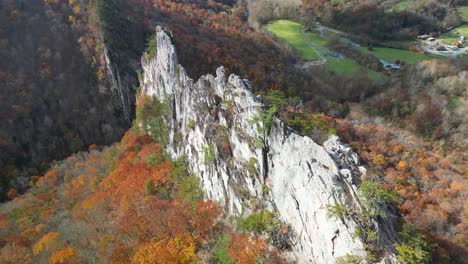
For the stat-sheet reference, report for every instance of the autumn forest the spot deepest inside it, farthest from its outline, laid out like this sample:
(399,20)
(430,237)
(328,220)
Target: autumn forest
(87,167)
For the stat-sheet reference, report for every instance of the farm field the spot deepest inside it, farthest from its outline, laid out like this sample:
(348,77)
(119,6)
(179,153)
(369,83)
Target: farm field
(391,55)
(292,32)
(349,67)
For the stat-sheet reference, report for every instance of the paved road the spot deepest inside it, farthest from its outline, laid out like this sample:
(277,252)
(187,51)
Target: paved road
(453,53)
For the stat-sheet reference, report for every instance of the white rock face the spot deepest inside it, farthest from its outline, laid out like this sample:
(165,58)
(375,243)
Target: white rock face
(212,125)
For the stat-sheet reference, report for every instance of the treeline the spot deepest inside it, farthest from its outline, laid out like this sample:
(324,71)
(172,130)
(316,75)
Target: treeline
(371,18)
(264,11)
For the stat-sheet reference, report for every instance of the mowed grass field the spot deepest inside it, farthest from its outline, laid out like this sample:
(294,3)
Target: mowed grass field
(349,67)
(391,55)
(292,32)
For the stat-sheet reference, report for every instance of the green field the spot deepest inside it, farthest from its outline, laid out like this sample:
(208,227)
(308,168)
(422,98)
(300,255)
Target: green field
(397,6)
(447,38)
(455,34)
(291,32)
(463,10)
(402,5)
(391,55)
(349,68)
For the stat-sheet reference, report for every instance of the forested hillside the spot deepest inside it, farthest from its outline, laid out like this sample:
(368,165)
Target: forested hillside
(103,41)
(55,96)
(127,203)
(70,77)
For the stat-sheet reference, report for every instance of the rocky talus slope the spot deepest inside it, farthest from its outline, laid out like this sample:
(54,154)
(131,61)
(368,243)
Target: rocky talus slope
(214,123)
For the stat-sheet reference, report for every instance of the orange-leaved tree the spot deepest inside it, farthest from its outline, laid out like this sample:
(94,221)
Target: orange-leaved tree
(65,256)
(179,250)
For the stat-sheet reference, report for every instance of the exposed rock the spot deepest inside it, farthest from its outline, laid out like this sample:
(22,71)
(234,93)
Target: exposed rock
(245,168)
(121,88)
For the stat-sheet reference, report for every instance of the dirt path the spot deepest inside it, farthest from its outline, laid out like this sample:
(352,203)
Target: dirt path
(322,29)
(310,64)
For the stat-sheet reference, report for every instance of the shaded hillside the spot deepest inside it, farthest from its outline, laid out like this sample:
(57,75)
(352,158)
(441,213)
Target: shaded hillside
(52,101)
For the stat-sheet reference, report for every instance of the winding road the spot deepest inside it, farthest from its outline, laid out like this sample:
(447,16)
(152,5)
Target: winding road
(450,53)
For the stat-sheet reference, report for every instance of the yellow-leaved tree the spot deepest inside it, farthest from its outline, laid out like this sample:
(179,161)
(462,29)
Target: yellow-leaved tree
(179,250)
(65,256)
(48,241)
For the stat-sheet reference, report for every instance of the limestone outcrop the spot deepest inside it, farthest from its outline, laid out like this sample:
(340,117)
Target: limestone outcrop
(246,169)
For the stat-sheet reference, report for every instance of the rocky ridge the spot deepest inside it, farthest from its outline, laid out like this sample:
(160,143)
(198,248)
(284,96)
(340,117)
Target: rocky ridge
(247,168)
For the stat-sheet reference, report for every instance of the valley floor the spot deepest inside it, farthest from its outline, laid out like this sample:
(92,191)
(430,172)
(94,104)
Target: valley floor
(312,45)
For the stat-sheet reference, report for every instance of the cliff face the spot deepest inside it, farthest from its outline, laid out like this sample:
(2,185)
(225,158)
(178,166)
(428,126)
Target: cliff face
(121,33)
(121,87)
(212,122)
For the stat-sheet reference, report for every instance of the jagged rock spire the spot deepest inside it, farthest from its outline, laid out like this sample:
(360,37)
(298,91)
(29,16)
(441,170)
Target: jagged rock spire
(245,169)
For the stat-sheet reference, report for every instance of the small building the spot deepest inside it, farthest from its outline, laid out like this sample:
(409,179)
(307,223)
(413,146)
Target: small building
(390,66)
(462,39)
(423,37)
(431,41)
